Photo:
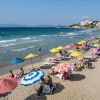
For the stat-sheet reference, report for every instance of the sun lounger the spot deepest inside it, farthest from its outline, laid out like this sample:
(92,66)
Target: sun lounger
(90,58)
(48,63)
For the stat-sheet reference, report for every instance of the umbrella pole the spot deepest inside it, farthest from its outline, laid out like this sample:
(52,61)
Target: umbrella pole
(32,62)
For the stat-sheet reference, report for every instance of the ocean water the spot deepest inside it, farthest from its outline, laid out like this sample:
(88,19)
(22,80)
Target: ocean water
(18,42)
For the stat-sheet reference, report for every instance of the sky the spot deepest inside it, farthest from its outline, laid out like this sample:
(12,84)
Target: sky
(48,12)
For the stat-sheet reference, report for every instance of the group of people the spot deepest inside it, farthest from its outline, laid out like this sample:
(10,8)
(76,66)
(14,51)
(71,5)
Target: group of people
(12,75)
(45,82)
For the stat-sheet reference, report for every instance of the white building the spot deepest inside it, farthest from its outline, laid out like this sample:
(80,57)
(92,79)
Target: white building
(86,22)
(98,25)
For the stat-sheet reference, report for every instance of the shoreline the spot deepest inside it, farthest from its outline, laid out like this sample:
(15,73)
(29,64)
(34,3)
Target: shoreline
(6,69)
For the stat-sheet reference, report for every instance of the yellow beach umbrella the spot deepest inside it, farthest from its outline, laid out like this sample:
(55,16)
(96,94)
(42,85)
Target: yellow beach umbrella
(81,42)
(75,54)
(60,48)
(54,50)
(31,55)
(96,45)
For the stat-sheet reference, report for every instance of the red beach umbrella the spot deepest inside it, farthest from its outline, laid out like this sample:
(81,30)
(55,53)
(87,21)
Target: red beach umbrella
(61,68)
(7,85)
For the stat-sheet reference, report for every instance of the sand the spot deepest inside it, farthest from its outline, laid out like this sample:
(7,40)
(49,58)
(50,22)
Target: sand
(84,85)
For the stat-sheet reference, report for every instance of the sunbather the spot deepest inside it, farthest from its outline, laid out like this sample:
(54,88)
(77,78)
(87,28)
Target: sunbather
(22,72)
(49,81)
(11,74)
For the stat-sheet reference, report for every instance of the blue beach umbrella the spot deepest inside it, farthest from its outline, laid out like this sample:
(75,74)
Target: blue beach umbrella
(91,47)
(32,78)
(16,60)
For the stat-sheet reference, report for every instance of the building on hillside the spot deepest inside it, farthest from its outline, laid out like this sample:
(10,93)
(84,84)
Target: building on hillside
(86,22)
(98,25)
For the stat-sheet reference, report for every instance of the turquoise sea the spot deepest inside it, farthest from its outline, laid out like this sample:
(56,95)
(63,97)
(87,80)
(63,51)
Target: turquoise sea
(18,42)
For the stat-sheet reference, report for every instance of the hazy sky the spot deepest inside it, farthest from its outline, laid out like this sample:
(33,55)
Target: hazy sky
(47,12)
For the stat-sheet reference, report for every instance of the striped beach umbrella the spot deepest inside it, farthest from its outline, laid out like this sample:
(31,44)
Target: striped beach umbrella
(62,67)
(32,78)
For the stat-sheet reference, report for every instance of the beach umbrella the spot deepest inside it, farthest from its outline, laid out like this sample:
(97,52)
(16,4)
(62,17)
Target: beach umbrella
(94,50)
(81,42)
(98,51)
(7,85)
(62,67)
(30,56)
(75,54)
(32,78)
(91,47)
(96,45)
(60,48)
(54,50)
(16,61)
(68,46)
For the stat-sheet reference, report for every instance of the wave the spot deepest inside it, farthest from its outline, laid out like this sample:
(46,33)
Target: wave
(22,49)
(6,41)
(43,43)
(27,38)
(7,45)
(17,42)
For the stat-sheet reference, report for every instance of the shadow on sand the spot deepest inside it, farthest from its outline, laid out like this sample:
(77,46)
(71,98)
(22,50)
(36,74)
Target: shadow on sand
(4,95)
(77,77)
(46,67)
(35,97)
(59,88)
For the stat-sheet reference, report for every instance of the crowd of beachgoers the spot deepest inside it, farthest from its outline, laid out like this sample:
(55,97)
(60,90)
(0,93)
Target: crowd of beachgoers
(65,60)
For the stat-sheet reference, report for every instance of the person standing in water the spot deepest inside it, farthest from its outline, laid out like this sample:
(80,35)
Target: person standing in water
(40,53)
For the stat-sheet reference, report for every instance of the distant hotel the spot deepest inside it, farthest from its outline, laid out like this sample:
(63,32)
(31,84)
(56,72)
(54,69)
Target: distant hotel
(87,24)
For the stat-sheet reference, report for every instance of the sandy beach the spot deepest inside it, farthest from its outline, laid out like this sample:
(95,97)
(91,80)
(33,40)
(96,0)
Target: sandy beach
(84,85)
(49,50)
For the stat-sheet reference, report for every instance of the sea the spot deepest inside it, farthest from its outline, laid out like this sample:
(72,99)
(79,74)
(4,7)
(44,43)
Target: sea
(20,41)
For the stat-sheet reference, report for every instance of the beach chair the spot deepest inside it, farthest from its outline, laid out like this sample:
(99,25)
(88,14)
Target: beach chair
(90,58)
(48,63)
(49,90)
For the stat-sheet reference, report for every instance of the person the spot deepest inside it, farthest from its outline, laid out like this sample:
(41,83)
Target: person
(49,81)
(22,72)
(77,47)
(61,53)
(11,74)
(40,49)
(65,52)
(40,53)
(40,90)
(66,75)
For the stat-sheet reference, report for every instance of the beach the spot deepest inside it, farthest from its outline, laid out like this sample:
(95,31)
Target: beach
(84,85)
(49,50)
